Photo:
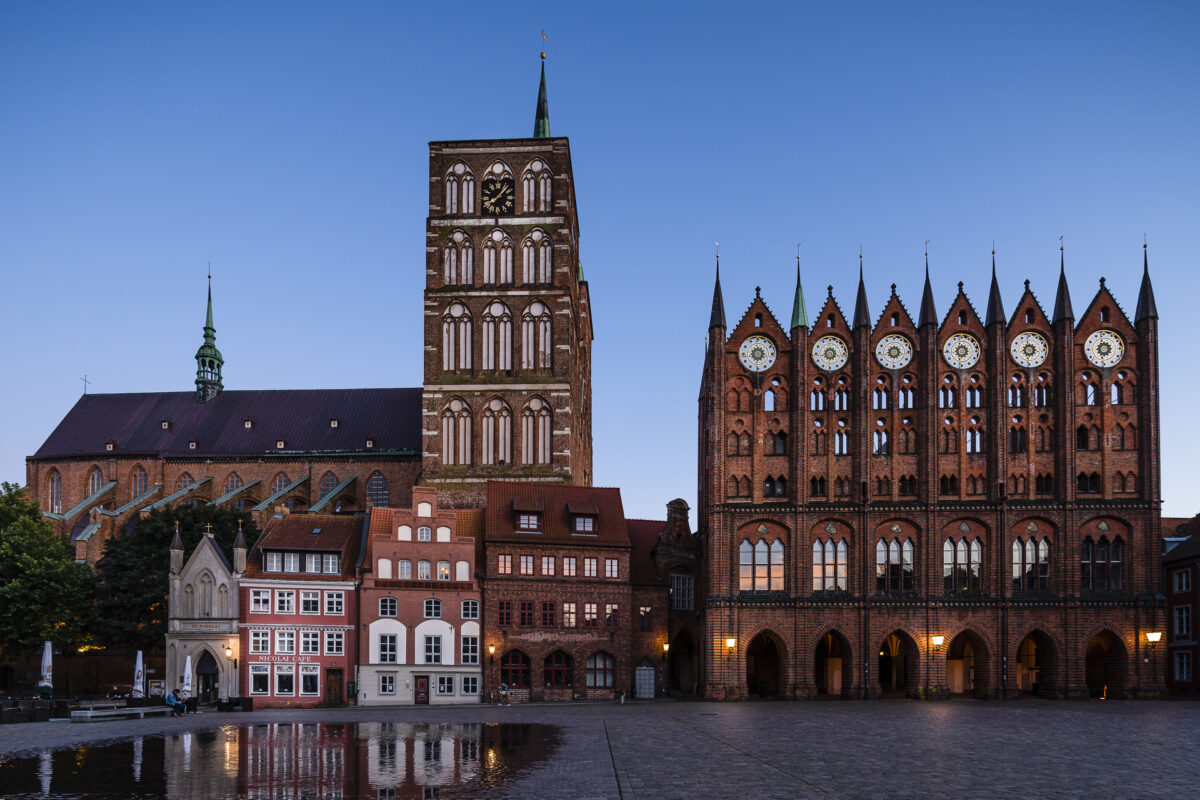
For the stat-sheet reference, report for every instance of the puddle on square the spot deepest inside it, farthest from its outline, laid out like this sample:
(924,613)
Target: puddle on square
(289,761)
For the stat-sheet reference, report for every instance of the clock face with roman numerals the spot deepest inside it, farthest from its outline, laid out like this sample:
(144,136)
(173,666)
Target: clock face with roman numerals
(757,353)
(498,195)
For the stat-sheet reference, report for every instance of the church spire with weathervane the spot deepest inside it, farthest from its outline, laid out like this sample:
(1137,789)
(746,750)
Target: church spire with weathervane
(799,312)
(208,358)
(541,120)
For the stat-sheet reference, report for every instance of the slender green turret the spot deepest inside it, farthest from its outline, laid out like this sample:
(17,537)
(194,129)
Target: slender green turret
(541,121)
(799,312)
(208,358)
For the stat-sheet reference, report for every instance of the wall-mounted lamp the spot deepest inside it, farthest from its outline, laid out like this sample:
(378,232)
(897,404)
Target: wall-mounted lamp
(937,639)
(1153,637)
(666,647)
(730,644)
(492,653)
(229,655)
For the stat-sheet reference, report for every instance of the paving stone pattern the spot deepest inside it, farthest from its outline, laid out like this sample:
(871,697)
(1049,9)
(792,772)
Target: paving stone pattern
(892,749)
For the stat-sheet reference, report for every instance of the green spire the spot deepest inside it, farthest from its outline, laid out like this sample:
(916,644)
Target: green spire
(208,358)
(799,312)
(541,121)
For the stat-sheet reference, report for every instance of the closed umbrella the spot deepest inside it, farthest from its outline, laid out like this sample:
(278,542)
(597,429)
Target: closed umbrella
(187,678)
(139,677)
(46,682)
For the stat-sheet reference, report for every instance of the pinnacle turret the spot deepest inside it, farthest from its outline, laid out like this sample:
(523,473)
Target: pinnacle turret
(995,306)
(929,314)
(799,312)
(1145,302)
(541,119)
(1062,300)
(862,317)
(717,318)
(208,358)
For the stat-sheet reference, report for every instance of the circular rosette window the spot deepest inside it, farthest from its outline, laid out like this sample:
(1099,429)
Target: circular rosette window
(1104,348)
(1029,349)
(893,351)
(961,351)
(830,353)
(757,353)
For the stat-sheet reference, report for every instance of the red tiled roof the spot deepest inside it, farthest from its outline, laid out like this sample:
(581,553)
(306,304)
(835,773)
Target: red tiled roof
(470,523)
(503,497)
(643,536)
(294,532)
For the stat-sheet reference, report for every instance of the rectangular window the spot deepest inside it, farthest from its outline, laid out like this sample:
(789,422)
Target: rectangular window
(585,525)
(260,601)
(260,678)
(1182,580)
(645,620)
(310,643)
(335,603)
(274,562)
(682,592)
(1183,622)
(569,567)
(433,608)
(387,684)
(568,615)
(1183,666)
(433,649)
(470,609)
(470,650)
(610,568)
(547,565)
(470,684)
(310,602)
(504,564)
(285,679)
(504,613)
(529,522)
(526,565)
(291,562)
(260,642)
(310,679)
(424,571)
(589,567)
(590,620)
(335,643)
(387,648)
(548,614)
(331,563)
(445,684)
(611,612)
(285,602)
(387,606)
(312,562)
(526,613)
(285,642)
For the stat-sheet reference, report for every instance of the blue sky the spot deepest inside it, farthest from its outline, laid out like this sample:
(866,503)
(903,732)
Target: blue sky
(287,145)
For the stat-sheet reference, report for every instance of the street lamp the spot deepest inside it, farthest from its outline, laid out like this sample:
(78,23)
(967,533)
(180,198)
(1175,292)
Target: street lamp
(666,647)
(730,644)
(937,639)
(492,653)
(229,655)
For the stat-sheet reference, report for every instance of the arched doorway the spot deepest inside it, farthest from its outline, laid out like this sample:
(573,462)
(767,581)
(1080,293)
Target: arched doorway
(1105,666)
(968,667)
(831,670)
(1037,666)
(208,678)
(764,666)
(897,665)
(681,664)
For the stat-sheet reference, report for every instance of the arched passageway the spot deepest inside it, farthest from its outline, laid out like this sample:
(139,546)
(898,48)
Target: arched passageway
(208,678)
(764,666)
(897,665)
(1037,666)
(681,664)
(831,670)
(1104,666)
(968,666)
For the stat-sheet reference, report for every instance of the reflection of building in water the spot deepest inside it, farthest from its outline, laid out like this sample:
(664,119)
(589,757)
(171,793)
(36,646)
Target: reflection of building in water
(406,760)
(200,764)
(303,760)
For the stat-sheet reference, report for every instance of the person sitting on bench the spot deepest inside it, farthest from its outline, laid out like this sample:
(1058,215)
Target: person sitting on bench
(178,707)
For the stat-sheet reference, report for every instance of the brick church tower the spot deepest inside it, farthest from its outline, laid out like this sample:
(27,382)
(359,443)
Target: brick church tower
(508,330)
(932,507)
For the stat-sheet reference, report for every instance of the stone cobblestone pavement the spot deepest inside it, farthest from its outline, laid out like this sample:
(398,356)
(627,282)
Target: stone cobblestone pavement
(887,749)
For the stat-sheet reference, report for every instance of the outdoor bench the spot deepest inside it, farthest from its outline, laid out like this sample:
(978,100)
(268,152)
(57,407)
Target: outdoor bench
(101,714)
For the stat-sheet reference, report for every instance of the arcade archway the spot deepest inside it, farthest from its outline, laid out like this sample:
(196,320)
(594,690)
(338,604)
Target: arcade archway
(765,666)
(898,665)
(681,664)
(968,666)
(831,668)
(1037,666)
(1105,665)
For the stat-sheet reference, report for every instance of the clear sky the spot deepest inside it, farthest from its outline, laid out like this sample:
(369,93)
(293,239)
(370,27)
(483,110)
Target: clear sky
(286,143)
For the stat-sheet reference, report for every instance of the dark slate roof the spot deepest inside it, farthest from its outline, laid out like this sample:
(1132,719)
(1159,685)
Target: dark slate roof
(1184,551)
(133,423)
(643,538)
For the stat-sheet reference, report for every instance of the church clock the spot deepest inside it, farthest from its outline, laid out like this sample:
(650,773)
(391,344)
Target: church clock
(757,353)
(498,195)
(1104,348)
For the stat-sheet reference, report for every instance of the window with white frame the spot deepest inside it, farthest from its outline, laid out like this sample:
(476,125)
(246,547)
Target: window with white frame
(387,648)
(470,609)
(1183,666)
(335,643)
(335,603)
(433,608)
(470,684)
(424,533)
(443,570)
(387,684)
(260,642)
(260,679)
(610,568)
(529,522)
(285,642)
(285,601)
(585,524)
(310,602)
(291,562)
(1183,622)
(404,569)
(445,684)
(310,679)
(470,650)
(526,565)
(274,562)
(1181,580)
(387,606)
(504,564)
(433,649)
(331,562)
(285,679)
(589,567)
(424,571)
(312,562)
(260,601)
(310,643)
(569,567)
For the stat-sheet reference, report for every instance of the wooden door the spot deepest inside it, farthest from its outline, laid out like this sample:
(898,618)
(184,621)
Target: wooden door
(421,692)
(333,687)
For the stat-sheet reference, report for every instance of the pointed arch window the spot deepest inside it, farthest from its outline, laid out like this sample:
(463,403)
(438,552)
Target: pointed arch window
(829,565)
(328,483)
(498,259)
(95,481)
(974,437)
(456,433)
(377,489)
(879,443)
(1031,564)
(535,336)
(817,487)
(761,566)
(879,399)
(497,433)
(841,400)
(458,259)
(54,499)
(1101,564)
(456,338)
(894,565)
(906,398)
(232,483)
(535,432)
(537,254)
(841,443)
(962,565)
(816,400)
(946,397)
(185,480)
(497,337)
(545,190)
(1016,440)
(974,397)
(139,483)
(1016,396)
(460,190)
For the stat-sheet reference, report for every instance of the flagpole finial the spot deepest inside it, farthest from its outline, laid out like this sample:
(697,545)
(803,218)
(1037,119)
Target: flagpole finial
(543,44)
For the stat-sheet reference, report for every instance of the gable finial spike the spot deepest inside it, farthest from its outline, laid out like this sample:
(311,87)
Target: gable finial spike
(1101,281)
(757,290)
(829,289)
(1027,284)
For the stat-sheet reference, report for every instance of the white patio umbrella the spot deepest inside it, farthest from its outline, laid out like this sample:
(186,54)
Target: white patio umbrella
(187,678)
(139,677)
(47,678)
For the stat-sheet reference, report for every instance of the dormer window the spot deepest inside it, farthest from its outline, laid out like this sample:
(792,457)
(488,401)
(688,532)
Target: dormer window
(528,515)
(109,445)
(370,443)
(529,522)
(247,424)
(192,445)
(165,424)
(585,525)
(583,518)
(280,444)
(333,423)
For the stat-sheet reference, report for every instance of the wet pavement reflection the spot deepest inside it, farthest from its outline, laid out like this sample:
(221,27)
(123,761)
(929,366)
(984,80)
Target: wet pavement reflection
(290,761)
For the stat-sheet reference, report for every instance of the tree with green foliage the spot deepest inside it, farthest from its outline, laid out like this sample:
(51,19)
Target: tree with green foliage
(132,612)
(44,592)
